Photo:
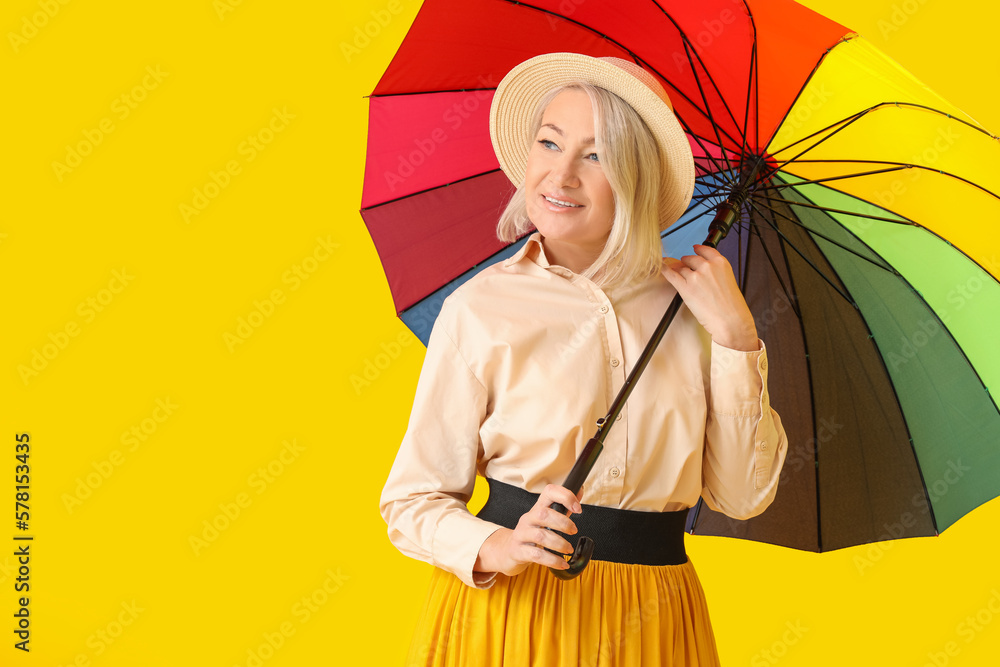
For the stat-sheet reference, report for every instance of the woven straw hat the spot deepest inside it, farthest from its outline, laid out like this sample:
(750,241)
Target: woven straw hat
(519,93)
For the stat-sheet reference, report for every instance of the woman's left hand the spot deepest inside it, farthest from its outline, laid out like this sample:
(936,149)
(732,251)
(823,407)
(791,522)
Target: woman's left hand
(706,283)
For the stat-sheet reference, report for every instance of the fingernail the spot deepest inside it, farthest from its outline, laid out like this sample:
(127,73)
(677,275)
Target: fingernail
(578,508)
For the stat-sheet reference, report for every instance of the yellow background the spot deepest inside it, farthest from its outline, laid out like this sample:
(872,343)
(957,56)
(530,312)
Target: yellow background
(115,577)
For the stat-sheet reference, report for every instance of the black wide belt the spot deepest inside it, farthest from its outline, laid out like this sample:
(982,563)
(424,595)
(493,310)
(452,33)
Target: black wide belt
(620,536)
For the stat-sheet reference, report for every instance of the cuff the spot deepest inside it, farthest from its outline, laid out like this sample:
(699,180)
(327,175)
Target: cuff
(457,541)
(738,380)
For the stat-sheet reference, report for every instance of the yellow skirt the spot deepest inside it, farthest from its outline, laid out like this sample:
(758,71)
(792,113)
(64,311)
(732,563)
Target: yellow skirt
(612,615)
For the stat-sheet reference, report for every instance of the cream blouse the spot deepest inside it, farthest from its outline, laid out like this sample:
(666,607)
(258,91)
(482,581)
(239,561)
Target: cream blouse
(523,360)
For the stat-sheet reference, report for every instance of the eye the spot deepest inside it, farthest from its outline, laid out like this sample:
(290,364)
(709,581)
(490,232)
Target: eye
(593,157)
(548,144)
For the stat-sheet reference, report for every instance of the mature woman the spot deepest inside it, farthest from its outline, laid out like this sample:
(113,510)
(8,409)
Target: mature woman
(526,357)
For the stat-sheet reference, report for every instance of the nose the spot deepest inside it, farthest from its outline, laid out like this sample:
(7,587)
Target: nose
(564,172)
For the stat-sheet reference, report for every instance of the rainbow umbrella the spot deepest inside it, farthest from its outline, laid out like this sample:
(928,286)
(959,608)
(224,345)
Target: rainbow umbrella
(866,247)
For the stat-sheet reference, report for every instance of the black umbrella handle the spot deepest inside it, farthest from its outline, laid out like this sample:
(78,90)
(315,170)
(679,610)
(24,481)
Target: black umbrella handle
(574,482)
(588,457)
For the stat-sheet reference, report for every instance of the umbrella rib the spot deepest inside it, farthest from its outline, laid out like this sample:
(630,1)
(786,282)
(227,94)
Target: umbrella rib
(829,178)
(907,221)
(687,49)
(899,165)
(746,110)
(755,69)
(881,105)
(805,83)
(694,520)
(753,83)
(904,221)
(677,226)
(673,228)
(846,119)
(426,92)
(718,181)
(939,112)
(719,168)
(746,264)
(706,195)
(708,156)
(806,259)
(701,200)
(930,309)
(711,119)
(624,48)
(809,374)
(430,189)
(774,267)
(843,126)
(884,267)
(941,324)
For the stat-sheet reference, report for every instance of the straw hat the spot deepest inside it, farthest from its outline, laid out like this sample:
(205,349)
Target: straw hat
(519,93)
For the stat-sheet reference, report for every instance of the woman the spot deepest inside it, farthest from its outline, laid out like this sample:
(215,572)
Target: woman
(525,358)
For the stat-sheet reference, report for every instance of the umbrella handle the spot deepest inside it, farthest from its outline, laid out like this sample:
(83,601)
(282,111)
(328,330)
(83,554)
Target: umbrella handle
(580,557)
(574,482)
(588,457)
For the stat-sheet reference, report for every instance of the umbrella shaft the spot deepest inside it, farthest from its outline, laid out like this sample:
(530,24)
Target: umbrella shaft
(725,215)
(729,210)
(588,457)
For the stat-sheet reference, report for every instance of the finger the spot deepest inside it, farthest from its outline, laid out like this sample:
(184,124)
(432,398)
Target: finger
(670,272)
(552,540)
(550,518)
(546,558)
(672,263)
(694,262)
(707,252)
(559,494)
(543,517)
(541,537)
(712,256)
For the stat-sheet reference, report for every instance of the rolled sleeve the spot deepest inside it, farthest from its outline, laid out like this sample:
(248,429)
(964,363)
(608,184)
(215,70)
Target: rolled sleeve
(433,476)
(745,442)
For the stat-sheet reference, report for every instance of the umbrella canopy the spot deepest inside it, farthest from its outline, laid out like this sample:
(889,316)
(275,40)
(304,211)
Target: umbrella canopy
(867,253)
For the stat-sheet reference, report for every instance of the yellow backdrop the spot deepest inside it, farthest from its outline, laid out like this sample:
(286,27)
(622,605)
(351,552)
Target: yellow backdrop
(188,292)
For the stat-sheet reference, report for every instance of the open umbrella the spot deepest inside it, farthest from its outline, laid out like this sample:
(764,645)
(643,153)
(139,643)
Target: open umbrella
(865,247)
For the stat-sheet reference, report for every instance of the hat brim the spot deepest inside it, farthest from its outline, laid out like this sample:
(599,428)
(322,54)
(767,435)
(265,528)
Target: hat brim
(518,94)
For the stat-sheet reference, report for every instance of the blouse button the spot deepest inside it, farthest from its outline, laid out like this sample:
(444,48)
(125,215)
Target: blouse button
(604,309)
(615,472)
(763,446)
(615,362)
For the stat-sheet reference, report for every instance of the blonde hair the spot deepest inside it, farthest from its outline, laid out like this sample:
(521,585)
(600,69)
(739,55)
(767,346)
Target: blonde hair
(630,160)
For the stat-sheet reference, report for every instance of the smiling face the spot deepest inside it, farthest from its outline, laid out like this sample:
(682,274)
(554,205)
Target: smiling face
(569,199)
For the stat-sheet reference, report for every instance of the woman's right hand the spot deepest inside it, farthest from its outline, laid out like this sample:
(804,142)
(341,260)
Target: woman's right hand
(510,551)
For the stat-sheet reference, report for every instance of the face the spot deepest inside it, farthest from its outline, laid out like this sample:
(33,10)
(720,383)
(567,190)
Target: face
(569,200)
